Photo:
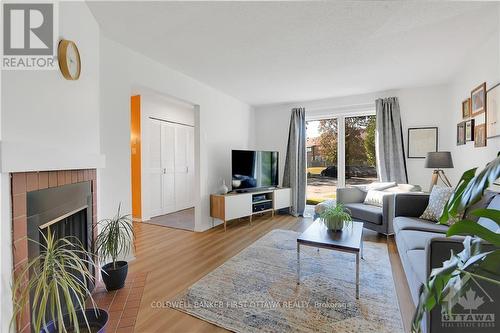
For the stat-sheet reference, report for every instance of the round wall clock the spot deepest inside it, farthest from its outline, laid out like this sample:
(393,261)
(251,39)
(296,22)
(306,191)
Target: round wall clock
(69,59)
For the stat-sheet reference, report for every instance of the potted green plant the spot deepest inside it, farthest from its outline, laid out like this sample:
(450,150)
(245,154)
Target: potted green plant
(335,217)
(115,238)
(55,286)
(476,261)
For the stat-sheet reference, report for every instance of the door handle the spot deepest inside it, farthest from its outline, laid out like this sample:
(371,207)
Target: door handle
(164,170)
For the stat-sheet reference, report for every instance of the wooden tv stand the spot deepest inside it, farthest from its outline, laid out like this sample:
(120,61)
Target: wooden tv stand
(233,205)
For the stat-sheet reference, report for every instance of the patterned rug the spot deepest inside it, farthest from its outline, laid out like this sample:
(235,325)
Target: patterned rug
(256,290)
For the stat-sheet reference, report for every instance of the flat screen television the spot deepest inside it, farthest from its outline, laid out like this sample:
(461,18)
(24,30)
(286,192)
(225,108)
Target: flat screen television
(252,170)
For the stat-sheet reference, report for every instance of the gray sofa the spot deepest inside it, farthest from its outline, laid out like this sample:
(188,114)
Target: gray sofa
(423,245)
(375,218)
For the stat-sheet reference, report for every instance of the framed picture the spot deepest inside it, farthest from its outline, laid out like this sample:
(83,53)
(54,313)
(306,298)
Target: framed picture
(422,140)
(493,111)
(480,135)
(461,133)
(466,109)
(478,100)
(469,130)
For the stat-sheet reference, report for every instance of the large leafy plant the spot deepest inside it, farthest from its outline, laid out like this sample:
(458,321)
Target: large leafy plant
(115,237)
(446,284)
(57,279)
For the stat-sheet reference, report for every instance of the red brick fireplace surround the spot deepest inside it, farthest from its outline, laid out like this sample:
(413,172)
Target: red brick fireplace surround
(21,184)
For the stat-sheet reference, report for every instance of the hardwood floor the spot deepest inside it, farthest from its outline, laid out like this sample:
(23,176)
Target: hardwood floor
(175,259)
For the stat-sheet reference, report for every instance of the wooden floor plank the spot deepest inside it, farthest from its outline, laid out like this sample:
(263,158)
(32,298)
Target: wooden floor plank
(176,259)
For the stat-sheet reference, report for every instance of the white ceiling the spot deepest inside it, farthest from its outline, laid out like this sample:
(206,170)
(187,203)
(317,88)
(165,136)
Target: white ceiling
(272,52)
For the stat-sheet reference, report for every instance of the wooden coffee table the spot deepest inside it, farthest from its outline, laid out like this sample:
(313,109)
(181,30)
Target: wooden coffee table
(350,239)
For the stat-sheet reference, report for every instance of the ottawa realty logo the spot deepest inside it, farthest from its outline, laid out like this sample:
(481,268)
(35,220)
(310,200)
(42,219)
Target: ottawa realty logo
(29,34)
(475,309)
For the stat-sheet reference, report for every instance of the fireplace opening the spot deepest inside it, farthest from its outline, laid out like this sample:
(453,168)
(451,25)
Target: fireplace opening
(64,211)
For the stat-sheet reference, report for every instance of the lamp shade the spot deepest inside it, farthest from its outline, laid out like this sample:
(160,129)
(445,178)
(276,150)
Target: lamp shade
(439,160)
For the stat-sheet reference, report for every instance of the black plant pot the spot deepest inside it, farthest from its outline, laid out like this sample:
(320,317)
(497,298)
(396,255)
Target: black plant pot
(114,278)
(97,319)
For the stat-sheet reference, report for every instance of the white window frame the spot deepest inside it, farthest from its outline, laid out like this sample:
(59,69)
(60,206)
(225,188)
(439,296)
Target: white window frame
(340,116)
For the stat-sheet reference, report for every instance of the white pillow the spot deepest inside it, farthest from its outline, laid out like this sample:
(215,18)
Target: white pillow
(376,186)
(375,198)
(437,200)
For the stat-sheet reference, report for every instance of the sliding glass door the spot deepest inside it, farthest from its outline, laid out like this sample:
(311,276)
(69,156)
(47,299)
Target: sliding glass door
(340,152)
(360,164)
(322,137)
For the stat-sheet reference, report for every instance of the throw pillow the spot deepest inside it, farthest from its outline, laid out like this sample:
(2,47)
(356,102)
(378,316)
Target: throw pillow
(375,198)
(376,186)
(437,200)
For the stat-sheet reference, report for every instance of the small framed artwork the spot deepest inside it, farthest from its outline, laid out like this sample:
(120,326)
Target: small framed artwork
(466,109)
(469,130)
(493,112)
(422,140)
(461,133)
(480,135)
(478,100)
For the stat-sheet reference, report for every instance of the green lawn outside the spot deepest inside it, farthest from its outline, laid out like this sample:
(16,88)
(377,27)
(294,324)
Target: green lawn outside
(317,200)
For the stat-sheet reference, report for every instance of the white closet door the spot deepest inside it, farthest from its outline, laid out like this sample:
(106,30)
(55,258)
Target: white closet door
(155,171)
(181,168)
(168,164)
(190,164)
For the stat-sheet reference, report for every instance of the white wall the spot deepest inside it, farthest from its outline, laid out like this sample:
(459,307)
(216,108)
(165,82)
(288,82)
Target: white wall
(46,121)
(483,66)
(225,124)
(159,107)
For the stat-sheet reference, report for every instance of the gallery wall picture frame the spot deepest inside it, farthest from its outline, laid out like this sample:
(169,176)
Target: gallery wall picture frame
(466,109)
(461,133)
(469,130)
(422,140)
(478,100)
(493,111)
(480,135)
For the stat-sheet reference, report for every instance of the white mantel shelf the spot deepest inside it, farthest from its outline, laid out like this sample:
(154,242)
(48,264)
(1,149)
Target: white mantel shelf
(25,157)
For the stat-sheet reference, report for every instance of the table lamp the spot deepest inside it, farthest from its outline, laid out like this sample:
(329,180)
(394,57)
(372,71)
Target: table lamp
(438,161)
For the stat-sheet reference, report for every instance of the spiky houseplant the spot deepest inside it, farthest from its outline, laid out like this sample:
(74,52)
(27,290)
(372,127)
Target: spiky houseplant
(56,282)
(446,284)
(115,238)
(334,217)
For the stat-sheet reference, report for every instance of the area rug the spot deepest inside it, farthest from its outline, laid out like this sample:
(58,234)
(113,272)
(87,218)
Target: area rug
(256,290)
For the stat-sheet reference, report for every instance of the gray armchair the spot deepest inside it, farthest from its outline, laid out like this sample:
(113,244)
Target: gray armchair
(375,218)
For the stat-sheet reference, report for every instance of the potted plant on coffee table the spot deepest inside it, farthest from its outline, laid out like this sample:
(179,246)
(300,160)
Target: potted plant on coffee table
(114,239)
(335,217)
(55,285)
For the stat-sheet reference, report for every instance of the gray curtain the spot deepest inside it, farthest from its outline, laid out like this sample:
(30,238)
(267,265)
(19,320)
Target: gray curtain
(390,152)
(295,163)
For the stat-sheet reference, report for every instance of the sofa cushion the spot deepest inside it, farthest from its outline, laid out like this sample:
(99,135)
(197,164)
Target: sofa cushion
(416,240)
(488,223)
(485,201)
(417,259)
(376,186)
(364,212)
(414,223)
(375,198)
(437,200)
